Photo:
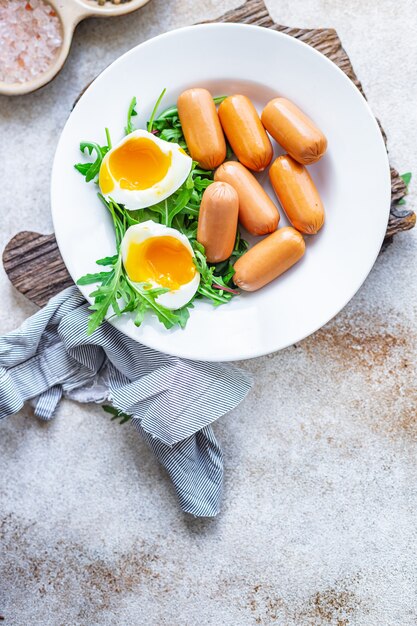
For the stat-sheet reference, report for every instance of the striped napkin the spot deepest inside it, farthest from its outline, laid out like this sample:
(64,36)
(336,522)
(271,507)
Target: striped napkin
(172,401)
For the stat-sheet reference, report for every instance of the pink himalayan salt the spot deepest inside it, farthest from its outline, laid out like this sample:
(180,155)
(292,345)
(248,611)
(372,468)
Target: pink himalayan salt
(30,37)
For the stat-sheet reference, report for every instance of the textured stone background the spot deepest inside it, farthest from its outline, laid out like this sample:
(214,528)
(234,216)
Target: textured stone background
(319,522)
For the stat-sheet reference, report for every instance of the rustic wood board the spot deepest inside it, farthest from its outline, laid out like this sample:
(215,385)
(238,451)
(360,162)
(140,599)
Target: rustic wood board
(33,262)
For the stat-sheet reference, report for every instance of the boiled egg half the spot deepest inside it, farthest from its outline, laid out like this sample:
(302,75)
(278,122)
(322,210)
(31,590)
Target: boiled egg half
(143,170)
(161,257)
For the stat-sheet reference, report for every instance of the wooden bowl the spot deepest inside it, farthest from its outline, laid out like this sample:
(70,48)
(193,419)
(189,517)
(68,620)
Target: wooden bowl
(70,12)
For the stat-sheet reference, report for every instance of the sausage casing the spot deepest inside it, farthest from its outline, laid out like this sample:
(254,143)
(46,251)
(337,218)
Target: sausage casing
(201,127)
(217,221)
(294,131)
(245,132)
(268,259)
(297,194)
(257,213)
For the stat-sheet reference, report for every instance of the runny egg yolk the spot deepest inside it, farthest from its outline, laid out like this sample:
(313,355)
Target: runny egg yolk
(138,163)
(164,260)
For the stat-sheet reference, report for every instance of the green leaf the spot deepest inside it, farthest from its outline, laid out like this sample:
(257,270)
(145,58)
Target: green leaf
(129,128)
(89,279)
(241,246)
(184,314)
(200,262)
(154,110)
(171,134)
(110,409)
(104,297)
(143,215)
(217,297)
(170,112)
(406,178)
(108,260)
(118,215)
(116,414)
(82,167)
(167,317)
(162,211)
(108,138)
(93,168)
(201,184)
(140,313)
(179,204)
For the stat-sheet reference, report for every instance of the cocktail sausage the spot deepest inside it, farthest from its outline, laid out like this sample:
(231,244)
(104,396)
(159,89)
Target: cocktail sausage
(245,132)
(268,259)
(217,221)
(297,194)
(294,131)
(257,213)
(201,127)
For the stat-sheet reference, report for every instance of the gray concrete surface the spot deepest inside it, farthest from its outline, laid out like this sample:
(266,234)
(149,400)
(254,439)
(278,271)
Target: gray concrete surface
(319,518)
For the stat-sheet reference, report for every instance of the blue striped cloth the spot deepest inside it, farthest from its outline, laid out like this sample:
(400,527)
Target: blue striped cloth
(172,401)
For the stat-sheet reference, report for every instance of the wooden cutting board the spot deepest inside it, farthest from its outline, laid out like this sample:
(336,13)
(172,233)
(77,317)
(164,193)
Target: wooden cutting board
(32,261)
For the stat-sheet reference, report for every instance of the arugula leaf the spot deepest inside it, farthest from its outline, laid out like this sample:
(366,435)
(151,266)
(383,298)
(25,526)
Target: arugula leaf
(108,260)
(167,317)
(114,291)
(229,151)
(117,415)
(109,144)
(90,170)
(90,279)
(172,134)
(200,261)
(407,178)
(129,128)
(171,112)
(82,167)
(179,203)
(183,314)
(104,297)
(217,297)
(140,313)
(208,279)
(154,110)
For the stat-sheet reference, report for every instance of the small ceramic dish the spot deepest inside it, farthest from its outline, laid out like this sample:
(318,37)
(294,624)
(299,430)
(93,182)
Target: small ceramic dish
(70,13)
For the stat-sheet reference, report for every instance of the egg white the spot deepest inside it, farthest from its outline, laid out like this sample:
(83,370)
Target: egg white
(177,173)
(174,299)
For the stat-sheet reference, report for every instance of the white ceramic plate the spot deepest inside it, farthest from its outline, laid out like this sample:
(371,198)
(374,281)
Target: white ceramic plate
(353,179)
